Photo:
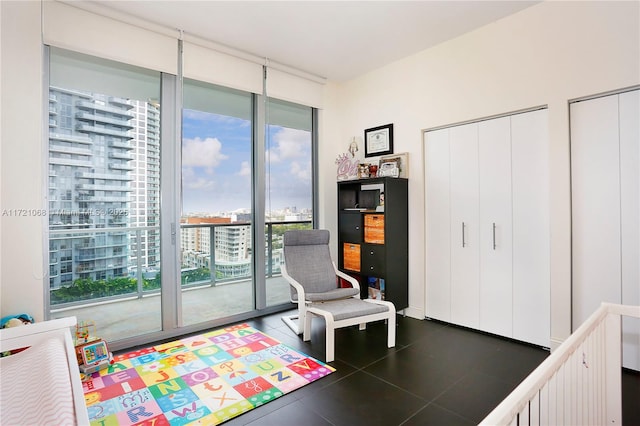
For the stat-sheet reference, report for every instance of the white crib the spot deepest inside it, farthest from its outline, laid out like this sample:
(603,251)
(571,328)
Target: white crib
(579,383)
(41,385)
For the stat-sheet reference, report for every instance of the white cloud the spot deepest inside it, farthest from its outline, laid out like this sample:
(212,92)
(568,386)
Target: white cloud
(289,143)
(300,172)
(202,152)
(201,184)
(271,156)
(245,169)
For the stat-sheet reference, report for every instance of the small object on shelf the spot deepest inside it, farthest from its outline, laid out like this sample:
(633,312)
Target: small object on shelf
(401,168)
(363,171)
(376,288)
(374,229)
(352,257)
(389,168)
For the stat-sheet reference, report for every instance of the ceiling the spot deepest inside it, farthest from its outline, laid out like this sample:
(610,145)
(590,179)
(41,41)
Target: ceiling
(338,40)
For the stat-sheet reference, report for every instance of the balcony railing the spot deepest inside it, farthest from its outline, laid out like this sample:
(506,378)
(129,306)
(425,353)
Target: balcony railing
(142,279)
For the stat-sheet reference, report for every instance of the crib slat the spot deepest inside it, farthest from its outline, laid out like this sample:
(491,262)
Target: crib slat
(579,383)
(545,404)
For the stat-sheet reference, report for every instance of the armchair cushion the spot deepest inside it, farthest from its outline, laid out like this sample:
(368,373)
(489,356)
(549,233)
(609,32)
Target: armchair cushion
(350,308)
(338,293)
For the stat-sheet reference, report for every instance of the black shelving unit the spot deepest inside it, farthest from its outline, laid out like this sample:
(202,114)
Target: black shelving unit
(383,257)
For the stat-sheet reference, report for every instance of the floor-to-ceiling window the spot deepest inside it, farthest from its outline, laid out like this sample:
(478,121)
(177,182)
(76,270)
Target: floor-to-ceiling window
(288,183)
(216,219)
(104,193)
(232,171)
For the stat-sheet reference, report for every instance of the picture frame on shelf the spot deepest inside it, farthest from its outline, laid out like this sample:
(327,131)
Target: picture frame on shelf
(396,165)
(378,141)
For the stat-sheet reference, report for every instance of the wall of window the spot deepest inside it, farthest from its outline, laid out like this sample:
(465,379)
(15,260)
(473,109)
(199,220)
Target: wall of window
(232,163)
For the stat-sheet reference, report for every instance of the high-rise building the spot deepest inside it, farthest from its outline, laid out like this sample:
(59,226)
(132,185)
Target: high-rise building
(145,194)
(232,245)
(103,175)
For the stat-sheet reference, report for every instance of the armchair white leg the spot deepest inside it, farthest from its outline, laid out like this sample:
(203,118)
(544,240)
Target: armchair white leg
(294,322)
(331,338)
(306,336)
(391,330)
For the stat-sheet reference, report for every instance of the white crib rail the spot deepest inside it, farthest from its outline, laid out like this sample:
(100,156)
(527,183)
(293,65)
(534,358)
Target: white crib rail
(579,383)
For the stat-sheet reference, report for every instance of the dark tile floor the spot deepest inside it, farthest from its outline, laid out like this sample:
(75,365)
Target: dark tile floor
(437,374)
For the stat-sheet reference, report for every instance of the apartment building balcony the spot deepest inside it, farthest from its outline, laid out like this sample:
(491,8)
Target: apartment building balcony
(83,139)
(121,155)
(121,166)
(105,176)
(82,127)
(207,296)
(98,245)
(70,162)
(199,303)
(88,105)
(121,144)
(53,123)
(74,150)
(100,199)
(94,187)
(102,119)
(89,257)
(120,101)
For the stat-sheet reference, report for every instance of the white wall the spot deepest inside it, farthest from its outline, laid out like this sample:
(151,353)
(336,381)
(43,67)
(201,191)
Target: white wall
(21,160)
(545,55)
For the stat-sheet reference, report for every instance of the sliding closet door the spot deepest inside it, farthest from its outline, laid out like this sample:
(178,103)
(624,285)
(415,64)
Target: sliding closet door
(438,225)
(531,252)
(465,268)
(605,178)
(487,224)
(629,107)
(494,154)
(595,203)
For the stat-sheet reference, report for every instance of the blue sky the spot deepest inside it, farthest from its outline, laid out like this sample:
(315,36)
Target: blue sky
(216,164)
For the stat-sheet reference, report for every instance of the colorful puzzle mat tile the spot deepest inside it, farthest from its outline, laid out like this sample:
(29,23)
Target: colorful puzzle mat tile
(200,380)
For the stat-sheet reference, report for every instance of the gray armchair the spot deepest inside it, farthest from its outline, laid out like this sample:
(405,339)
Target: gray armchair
(314,288)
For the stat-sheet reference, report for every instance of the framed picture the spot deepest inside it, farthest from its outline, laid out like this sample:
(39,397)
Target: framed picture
(389,167)
(378,141)
(394,165)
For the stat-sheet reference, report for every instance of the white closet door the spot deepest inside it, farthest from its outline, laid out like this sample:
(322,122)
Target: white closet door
(438,225)
(531,251)
(494,155)
(595,205)
(465,295)
(629,107)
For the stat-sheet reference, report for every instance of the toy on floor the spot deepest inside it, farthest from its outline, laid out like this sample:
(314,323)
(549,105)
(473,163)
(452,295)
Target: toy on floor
(95,357)
(92,352)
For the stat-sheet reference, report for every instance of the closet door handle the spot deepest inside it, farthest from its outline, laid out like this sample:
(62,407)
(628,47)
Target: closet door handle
(463,242)
(494,235)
